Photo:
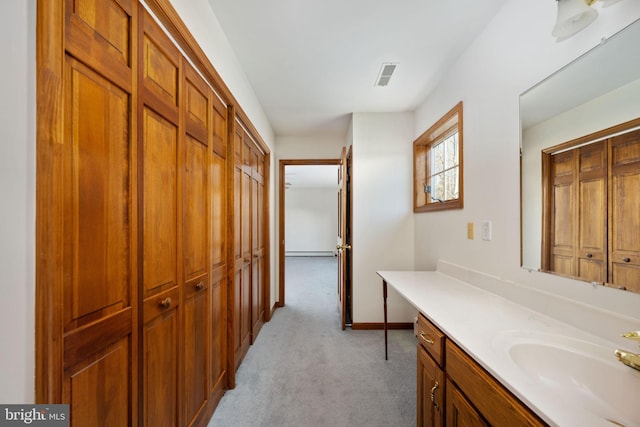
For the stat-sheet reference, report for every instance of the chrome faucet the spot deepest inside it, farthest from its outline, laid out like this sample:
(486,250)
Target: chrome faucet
(630,359)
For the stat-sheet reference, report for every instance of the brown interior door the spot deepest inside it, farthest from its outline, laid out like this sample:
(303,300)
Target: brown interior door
(344,239)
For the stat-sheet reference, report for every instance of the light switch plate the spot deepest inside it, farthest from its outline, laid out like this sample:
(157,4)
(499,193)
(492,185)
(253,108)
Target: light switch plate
(485,229)
(470,230)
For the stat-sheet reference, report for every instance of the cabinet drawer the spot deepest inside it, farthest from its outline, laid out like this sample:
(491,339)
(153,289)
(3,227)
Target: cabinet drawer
(496,404)
(431,339)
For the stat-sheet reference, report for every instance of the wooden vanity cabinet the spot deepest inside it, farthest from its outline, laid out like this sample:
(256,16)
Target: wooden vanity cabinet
(460,412)
(430,375)
(453,390)
(430,383)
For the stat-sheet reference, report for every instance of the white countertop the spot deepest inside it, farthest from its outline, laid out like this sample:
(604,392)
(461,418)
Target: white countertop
(490,328)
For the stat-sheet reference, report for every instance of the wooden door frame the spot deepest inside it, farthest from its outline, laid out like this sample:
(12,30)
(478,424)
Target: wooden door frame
(281,199)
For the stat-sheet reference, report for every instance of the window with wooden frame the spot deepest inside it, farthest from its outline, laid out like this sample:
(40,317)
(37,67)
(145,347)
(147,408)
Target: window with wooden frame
(437,165)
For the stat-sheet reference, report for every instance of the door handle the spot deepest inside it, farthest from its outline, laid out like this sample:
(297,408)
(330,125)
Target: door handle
(343,247)
(433,395)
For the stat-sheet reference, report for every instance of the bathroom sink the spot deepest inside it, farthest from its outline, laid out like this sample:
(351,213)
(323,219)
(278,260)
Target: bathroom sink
(581,374)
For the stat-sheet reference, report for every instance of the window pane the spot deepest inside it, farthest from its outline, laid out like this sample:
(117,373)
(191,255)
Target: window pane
(437,158)
(451,151)
(437,188)
(451,184)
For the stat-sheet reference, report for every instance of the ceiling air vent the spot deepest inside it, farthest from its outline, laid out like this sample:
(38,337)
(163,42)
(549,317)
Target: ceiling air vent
(386,71)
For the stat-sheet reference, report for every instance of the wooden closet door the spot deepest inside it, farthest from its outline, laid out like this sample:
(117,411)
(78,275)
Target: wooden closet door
(195,244)
(591,217)
(257,243)
(94,200)
(219,248)
(242,248)
(624,205)
(563,206)
(160,136)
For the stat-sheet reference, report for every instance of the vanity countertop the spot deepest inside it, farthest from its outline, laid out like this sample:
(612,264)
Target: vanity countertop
(565,375)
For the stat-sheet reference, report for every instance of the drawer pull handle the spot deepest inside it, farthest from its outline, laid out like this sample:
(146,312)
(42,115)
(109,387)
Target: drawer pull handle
(165,303)
(589,255)
(427,339)
(433,395)
(200,286)
(626,259)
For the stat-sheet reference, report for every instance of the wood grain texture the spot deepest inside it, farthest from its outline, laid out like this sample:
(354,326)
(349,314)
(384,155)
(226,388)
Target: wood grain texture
(496,404)
(430,413)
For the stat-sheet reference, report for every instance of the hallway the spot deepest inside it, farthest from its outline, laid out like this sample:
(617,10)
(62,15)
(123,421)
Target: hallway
(304,371)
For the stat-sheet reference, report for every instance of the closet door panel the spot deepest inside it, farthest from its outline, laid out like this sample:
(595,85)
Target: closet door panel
(161,234)
(625,205)
(563,203)
(218,252)
(195,333)
(246,214)
(195,250)
(194,208)
(160,144)
(99,225)
(257,248)
(98,388)
(99,351)
(160,374)
(99,33)
(218,339)
(592,218)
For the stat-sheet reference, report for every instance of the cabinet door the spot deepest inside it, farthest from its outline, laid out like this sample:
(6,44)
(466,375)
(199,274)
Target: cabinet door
(430,391)
(624,255)
(460,413)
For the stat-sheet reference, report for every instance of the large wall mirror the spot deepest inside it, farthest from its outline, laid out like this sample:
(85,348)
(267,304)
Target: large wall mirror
(593,98)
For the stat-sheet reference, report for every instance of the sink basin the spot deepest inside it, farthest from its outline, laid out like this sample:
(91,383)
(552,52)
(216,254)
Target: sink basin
(581,374)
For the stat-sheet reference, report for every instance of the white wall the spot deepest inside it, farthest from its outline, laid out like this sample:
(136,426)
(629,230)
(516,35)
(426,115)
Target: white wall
(17,187)
(382,211)
(514,52)
(205,28)
(311,220)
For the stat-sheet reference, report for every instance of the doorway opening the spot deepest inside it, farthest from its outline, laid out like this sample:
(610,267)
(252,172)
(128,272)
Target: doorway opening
(307,212)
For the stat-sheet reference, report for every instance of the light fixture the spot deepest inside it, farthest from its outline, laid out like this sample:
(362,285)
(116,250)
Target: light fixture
(573,16)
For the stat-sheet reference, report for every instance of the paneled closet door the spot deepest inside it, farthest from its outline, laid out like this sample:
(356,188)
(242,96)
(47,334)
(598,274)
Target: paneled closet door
(563,204)
(195,243)
(624,205)
(257,243)
(218,243)
(93,211)
(242,247)
(161,293)
(592,219)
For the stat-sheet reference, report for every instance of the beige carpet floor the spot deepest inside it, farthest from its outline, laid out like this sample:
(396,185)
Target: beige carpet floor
(304,371)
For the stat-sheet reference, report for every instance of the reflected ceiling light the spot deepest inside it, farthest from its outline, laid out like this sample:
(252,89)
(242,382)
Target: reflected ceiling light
(573,16)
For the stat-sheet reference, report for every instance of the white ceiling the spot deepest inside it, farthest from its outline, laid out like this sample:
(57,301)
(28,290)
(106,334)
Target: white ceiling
(313,62)
(311,176)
